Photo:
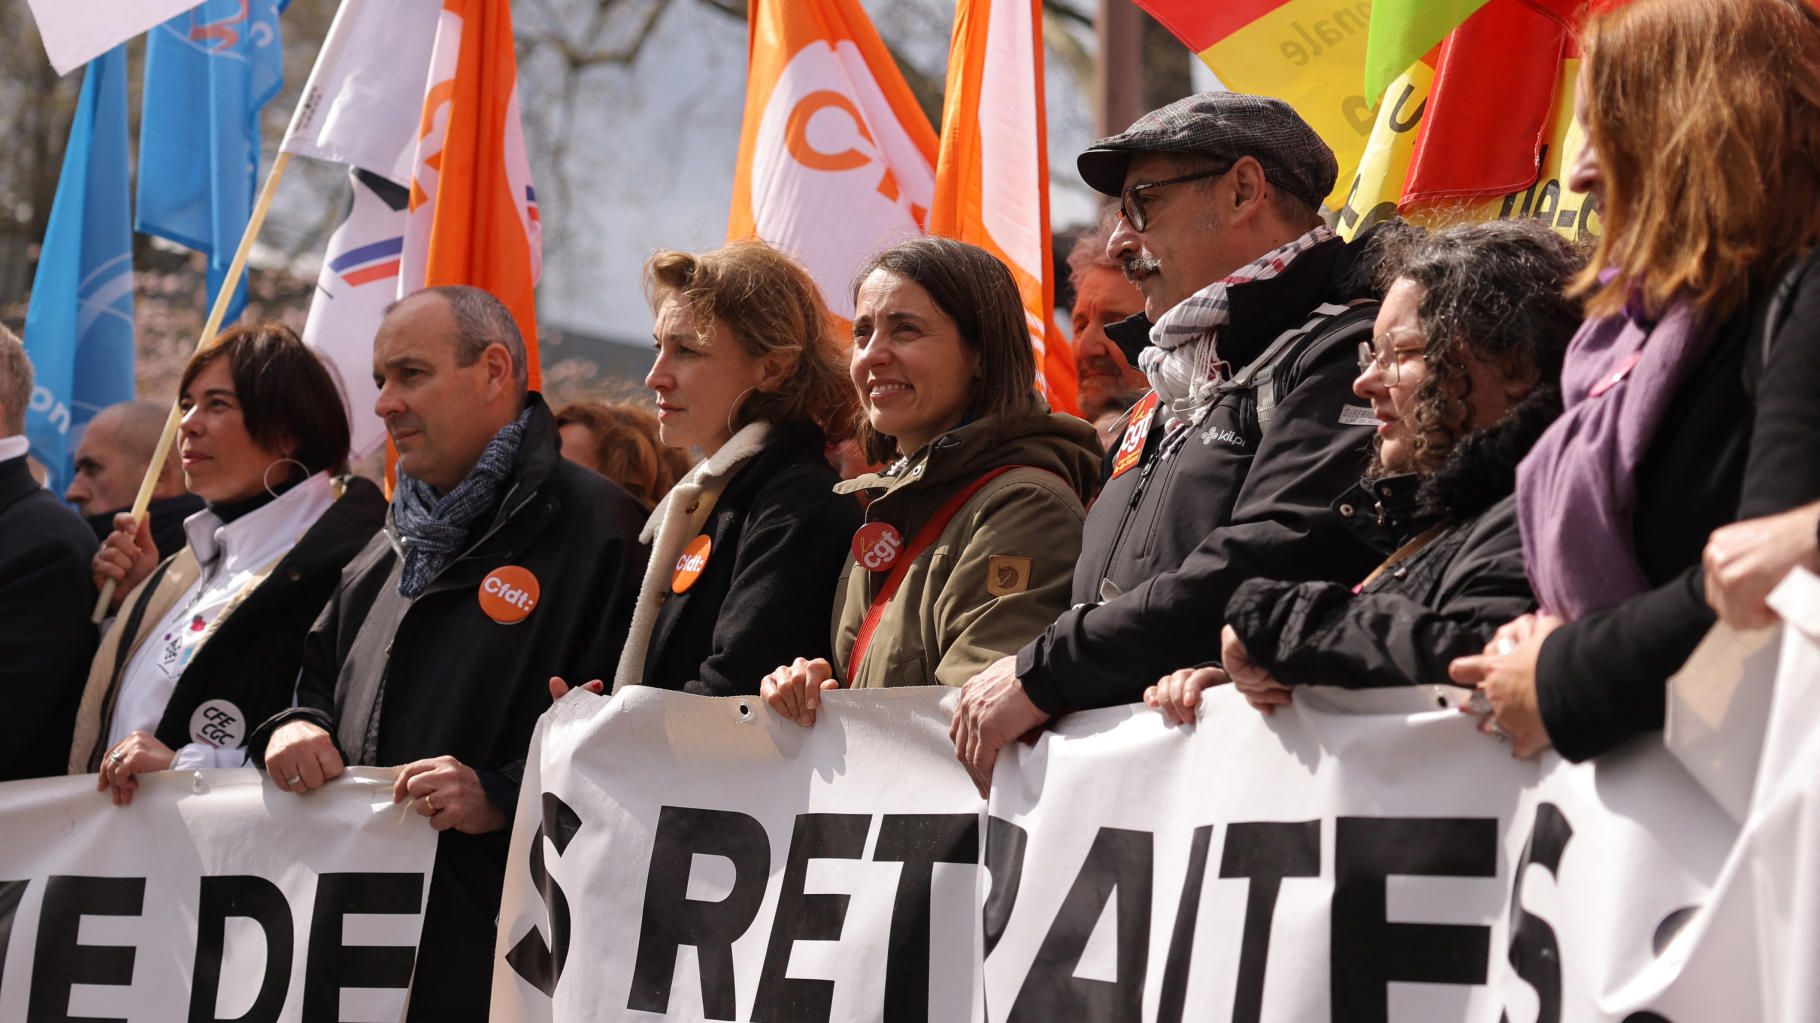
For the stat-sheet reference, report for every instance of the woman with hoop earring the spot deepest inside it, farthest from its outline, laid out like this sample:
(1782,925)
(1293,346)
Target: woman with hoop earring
(748,547)
(206,643)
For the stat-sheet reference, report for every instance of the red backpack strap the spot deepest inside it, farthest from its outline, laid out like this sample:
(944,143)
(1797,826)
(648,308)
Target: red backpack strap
(914,549)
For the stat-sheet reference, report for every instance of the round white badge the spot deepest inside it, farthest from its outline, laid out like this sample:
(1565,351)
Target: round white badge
(218,723)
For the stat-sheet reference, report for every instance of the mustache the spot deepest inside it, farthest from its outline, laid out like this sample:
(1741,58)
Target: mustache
(1139,267)
(1098,366)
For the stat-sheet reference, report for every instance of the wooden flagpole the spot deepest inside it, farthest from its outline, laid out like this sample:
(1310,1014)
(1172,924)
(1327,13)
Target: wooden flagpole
(217,313)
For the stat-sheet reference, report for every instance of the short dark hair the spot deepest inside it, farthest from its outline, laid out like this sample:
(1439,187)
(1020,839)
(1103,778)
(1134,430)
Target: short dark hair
(978,293)
(1497,290)
(287,396)
(481,319)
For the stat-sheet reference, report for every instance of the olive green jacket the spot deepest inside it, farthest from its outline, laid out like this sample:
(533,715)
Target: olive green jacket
(1000,571)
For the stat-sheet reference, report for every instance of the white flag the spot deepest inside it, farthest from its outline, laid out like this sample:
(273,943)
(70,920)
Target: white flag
(359,279)
(77,31)
(365,97)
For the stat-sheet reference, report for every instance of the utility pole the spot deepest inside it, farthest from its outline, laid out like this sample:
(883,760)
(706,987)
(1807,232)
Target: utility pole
(1119,76)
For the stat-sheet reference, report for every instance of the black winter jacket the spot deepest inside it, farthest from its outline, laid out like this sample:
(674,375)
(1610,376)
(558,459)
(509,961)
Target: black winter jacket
(1441,602)
(1742,440)
(398,679)
(252,659)
(1219,501)
(46,640)
(779,540)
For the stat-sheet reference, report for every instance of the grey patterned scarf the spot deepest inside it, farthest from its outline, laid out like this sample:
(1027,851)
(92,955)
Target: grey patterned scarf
(436,529)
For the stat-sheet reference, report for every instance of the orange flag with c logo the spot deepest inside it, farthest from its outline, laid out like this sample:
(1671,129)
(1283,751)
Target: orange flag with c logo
(473,215)
(992,180)
(836,160)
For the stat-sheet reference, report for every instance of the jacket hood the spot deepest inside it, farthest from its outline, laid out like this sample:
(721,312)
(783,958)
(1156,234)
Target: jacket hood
(1041,439)
(1482,468)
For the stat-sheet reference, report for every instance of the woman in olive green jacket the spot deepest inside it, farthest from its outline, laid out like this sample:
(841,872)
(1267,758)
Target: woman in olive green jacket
(972,532)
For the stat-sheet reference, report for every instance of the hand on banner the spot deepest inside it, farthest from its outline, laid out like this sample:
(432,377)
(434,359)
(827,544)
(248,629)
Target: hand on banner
(1260,688)
(301,756)
(136,754)
(126,557)
(991,712)
(560,689)
(1745,560)
(1506,674)
(449,793)
(794,690)
(1178,694)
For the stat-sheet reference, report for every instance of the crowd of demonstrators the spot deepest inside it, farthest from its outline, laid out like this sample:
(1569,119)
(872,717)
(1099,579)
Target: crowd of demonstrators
(1460,376)
(112,457)
(1690,389)
(1109,384)
(972,531)
(1551,510)
(620,441)
(207,642)
(500,565)
(747,549)
(1227,470)
(45,594)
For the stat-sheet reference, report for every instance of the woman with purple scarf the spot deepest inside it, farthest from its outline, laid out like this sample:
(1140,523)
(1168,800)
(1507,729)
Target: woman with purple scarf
(1692,391)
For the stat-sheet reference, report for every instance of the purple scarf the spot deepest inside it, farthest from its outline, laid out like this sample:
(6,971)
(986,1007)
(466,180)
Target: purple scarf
(1577,489)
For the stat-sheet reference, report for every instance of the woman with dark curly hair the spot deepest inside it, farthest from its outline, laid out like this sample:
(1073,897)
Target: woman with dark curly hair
(1460,377)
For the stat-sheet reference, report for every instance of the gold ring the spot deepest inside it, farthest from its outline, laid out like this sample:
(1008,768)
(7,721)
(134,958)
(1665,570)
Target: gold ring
(429,802)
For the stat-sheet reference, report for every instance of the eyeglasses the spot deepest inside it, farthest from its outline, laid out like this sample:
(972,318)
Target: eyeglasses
(1131,205)
(1382,351)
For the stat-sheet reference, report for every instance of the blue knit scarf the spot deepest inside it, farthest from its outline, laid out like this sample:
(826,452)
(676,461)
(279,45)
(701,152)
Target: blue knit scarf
(436,529)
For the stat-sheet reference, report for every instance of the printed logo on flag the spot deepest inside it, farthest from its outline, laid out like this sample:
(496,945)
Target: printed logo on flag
(820,138)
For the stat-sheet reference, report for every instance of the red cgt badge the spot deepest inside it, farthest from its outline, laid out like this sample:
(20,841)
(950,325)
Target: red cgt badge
(876,545)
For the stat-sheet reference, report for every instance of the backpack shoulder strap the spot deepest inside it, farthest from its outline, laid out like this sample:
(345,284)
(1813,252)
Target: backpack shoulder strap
(1259,375)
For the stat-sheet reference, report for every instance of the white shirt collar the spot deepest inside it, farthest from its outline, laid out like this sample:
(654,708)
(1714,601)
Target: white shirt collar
(254,538)
(16,446)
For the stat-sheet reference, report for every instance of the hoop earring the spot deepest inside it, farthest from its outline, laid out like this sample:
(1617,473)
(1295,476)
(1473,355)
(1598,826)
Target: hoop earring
(265,480)
(737,402)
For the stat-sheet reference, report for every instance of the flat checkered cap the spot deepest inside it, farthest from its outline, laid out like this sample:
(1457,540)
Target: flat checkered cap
(1223,126)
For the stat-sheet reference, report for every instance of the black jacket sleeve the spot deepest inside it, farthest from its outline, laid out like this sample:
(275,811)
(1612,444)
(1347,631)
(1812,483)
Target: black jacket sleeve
(45,648)
(1320,633)
(1601,679)
(314,697)
(791,555)
(1281,527)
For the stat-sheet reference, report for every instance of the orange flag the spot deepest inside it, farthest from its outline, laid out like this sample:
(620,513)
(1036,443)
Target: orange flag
(473,212)
(992,181)
(836,160)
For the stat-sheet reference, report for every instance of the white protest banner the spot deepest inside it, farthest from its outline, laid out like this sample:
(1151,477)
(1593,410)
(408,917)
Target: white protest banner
(1356,856)
(693,858)
(212,896)
(77,31)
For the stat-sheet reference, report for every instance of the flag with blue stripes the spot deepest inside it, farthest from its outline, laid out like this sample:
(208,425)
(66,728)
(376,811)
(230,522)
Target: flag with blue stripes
(208,73)
(79,326)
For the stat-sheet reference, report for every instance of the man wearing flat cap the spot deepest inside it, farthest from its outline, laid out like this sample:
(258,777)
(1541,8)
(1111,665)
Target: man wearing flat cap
(1249,336)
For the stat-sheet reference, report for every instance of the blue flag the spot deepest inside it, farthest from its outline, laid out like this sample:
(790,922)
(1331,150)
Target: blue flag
(207,75)
(79,327)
